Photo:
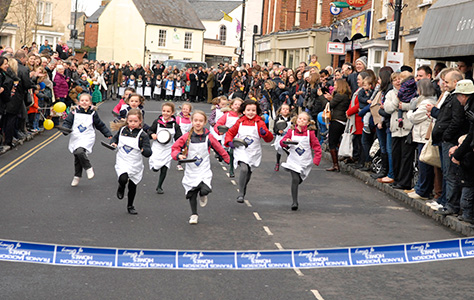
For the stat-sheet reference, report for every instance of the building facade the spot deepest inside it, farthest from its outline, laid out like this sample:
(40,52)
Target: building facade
(143,31)
(36,21)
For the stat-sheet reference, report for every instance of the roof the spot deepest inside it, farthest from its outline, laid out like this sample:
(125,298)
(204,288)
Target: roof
(94,18)
(79,15)
(210,10)
(173,13)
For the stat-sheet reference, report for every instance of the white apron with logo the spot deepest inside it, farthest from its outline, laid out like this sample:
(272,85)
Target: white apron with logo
(300,159)
(129,157)
(169,88)
(157,90)
(185,127)
(161,155)
(200,170)
(179,90)
(252,155)
(229,122)
(279,137)
(83,132)
(219,115)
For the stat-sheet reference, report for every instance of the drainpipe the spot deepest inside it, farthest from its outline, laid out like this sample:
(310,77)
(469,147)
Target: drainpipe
(144,46)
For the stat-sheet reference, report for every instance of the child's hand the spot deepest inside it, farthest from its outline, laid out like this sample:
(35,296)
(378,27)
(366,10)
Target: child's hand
(280,132)
(369,101)
(400,105)
(114,145)
(262,131)
(154,136)
(181,156)
(110,137)
(320,92)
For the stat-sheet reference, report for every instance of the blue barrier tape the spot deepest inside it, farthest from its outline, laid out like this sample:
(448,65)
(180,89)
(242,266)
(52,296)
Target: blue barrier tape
(284,259)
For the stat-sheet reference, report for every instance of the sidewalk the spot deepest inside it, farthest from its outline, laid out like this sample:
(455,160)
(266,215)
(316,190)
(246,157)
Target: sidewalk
(28,137)
(420,205)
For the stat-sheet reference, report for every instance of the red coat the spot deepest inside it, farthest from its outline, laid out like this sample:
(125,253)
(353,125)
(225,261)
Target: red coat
(223,120)
(229,136)
(179,145)
(355,110)
(313,141)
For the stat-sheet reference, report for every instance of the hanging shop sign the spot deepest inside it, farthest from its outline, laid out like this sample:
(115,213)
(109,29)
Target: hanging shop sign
(357,3)
(336,48)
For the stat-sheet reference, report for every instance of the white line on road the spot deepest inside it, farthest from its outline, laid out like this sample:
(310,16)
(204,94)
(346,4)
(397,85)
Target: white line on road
(267,230)
(257,216)
(317,294)
(224,168)
(279,246)
(248,203)
(233,181)
(298,271)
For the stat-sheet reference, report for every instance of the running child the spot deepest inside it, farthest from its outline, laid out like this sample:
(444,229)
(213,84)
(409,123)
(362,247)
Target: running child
(83,120)
(197,178)
(300,159)
(216,113)
(228,120)
(132,143)
(184,121)
(128,91)
(250,127)
(134,101)
(283,114)
(161,157)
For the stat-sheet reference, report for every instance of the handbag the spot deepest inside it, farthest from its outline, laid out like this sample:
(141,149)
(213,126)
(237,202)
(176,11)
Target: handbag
(345,148)
(327,113)
(430,154)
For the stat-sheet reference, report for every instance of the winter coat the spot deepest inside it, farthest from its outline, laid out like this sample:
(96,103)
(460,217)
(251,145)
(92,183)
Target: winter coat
(419,118)
(268,137)
(339,105)
(451,122)
(178,147)
(355,120)
(391,107)
(96,121)
(143,140)
(160,123)
(61,88)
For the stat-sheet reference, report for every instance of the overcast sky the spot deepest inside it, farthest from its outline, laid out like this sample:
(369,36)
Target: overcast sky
(89,6)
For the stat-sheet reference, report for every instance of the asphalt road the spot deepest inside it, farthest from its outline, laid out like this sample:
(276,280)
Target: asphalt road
(39,205)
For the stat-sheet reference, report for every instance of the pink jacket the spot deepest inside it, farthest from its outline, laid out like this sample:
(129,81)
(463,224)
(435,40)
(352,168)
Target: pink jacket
(61,88)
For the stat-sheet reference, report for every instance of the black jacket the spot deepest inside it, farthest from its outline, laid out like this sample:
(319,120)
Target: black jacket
(464,154)
(97,122)
(339,105)
(451,122)
(143,141)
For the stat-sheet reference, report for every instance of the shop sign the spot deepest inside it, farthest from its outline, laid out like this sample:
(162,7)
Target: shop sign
(394,60)
(335,48)
(390,35)
(357,3)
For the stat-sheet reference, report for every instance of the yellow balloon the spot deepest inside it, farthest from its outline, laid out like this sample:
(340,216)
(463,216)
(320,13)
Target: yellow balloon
(48,124)
(59,107)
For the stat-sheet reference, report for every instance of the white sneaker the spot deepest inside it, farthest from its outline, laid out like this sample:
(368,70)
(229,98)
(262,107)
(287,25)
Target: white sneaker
(75,181)
(179,168)
(193,219)
(203,201)
(90,173)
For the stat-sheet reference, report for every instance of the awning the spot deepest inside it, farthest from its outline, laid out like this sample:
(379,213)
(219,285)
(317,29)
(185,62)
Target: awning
(448,31)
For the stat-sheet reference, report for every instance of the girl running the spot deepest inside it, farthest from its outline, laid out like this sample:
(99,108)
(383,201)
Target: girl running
(132,143)
(83,120)
(300,159)
(161,157)
(184,121)
(283,114)
(250,127)
(134,101)
(128,91)
(228,120)
(198,175)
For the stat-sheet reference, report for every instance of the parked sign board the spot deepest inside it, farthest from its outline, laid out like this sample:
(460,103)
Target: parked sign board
(336,48)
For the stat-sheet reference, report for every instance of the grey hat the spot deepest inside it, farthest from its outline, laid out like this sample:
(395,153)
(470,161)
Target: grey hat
(363,59)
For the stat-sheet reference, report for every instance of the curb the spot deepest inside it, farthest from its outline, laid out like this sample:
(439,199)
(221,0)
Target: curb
(451,222)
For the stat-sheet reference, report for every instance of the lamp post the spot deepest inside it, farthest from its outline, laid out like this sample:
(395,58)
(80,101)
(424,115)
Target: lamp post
(242,26)
(397,9)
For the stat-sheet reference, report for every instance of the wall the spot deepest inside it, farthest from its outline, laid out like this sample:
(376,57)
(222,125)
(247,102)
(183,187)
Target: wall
(91,34)
(121,33)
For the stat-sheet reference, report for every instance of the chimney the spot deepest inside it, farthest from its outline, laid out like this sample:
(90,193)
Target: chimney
(105,2)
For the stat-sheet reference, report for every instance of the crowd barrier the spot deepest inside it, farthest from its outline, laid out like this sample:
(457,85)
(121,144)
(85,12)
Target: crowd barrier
(18,251)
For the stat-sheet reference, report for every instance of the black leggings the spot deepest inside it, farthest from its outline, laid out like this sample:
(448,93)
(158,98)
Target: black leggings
(244,178)
(132,187)
(202,189)
(164,171)
(81,161)
(295,182)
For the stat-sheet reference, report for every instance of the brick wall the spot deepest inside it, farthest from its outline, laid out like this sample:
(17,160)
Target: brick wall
(91,34)
(327,17)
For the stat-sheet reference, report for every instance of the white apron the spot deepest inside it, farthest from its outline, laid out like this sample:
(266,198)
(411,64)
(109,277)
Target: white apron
(200,170)
(131,83)
(229,122)
(179,90)
(300,159)
(252,155)
(169,88)
(83,132)
(185,127)
(279,137)
(129,157)
(147,91)
(219,115)
(157,90)
(161,155)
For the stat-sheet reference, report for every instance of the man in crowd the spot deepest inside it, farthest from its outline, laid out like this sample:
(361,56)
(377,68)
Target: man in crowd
(45,48)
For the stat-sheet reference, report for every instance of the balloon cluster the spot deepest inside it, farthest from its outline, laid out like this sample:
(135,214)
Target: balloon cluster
(59,107)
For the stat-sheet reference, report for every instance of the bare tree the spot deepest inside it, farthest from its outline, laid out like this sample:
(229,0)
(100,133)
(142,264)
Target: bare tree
(4,8)
(24,12)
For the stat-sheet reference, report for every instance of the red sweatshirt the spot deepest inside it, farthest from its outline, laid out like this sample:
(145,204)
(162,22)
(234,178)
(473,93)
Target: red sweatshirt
(268,137)
(313,140)
(223,120)
(178,146)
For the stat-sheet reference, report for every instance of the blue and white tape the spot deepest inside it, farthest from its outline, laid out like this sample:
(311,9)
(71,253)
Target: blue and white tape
(285,259)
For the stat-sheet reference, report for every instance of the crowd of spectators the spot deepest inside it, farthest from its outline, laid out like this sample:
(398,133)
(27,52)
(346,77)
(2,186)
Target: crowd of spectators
(399,109)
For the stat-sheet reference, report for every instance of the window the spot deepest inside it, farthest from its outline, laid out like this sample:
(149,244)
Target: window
(222,34)
(162,38)
(44,13)
(188,40)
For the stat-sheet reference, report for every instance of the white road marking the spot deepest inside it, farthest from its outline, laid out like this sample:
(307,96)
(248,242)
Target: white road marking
(233,181)
(267,230)
(257,216)
(317,294)
(298,272)
(248,203)
(279,246)
(224,168)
